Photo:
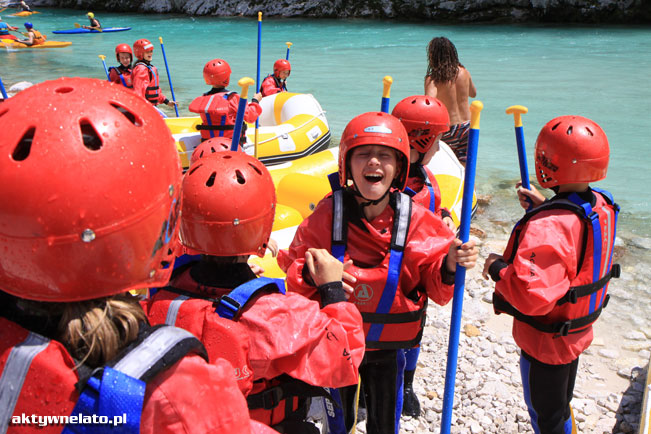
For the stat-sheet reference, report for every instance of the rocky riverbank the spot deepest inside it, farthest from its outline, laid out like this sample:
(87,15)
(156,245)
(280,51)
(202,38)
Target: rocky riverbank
(551,11)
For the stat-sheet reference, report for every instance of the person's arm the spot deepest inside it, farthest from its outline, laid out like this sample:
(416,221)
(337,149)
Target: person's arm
(472,91)
(430,87)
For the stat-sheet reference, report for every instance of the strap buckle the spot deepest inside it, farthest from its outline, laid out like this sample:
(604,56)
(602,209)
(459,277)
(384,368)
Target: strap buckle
(616,271)
(565,328)
(271,398)
(572,297)
(232,305)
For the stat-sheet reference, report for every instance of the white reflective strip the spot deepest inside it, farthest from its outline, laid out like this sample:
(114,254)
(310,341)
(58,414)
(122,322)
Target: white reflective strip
(338,216)
(609,241)
(14,373)
(148,46)
(173,310)
(205,109)
(148,352)
(403,216)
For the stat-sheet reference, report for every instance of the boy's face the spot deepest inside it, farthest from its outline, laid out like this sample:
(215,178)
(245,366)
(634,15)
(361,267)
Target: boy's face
(125,58)
(284,74)
(373,168)
(148,55)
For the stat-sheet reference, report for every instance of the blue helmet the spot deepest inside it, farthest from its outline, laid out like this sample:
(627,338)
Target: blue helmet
(28,25)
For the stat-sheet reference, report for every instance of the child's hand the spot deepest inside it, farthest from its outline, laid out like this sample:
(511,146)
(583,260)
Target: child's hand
(272,246)
(449,223)
(348,279)
(257,96)
(466,256)
(173,103)
(489,261)
(257,270)
(323,267)
(533,195)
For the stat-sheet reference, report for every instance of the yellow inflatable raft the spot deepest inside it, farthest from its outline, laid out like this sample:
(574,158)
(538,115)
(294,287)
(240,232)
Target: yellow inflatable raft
(291,126)
(10,44)
(302,183)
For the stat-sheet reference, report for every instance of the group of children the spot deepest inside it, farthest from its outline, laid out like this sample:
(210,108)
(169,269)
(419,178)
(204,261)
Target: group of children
(84,225)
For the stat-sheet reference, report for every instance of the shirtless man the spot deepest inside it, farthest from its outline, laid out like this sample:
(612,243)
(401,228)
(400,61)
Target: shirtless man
(451,83)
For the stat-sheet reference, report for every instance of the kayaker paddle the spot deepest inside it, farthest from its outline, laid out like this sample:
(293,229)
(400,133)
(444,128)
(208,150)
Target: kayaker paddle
(257,83)
(2,89)
(289,45)
(101,56)
(79,26)
(460,274)
(388,81)
(169,77)
(517,111)
(244,83)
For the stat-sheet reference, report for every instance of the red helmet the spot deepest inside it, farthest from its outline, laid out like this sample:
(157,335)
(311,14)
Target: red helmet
(90,192)
(140,46)
(375,128)
(122,48)
(210,146)
(424,118)
(571,149)
(217,73)
(228,207)
(281,65)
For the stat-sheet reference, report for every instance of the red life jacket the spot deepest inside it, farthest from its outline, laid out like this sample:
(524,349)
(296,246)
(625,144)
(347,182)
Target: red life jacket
(430,195)
(587,295)
(123,75)
(391,319)
(214,110)
(176,305)
(270,401)
(153,90)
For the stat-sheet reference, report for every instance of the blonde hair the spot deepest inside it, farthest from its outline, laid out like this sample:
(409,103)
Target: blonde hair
(94,331)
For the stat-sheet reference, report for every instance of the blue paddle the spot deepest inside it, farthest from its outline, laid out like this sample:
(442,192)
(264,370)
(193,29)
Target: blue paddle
(386,92)
(257,83)
(517,111)
(244,82)
(2,89)
(460,273)
(289,44)
(101,56)
(169,77)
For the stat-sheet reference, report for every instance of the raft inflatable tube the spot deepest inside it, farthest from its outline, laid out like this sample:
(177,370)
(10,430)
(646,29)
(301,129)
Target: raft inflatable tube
(301,184)
(291,126)
(6,43)
(24,14)
(81,30)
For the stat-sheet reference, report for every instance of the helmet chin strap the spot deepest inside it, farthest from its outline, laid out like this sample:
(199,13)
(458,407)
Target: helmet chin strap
(368,202)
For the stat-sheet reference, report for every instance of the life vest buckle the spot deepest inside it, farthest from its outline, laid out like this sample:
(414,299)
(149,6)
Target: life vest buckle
(271,398)
(616,271)
(230,304)
(565,328)
(606,300)
(572,296)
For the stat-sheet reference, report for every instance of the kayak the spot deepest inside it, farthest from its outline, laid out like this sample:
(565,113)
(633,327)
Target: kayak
(6,43)
(645,417)
(24,14)
(302,183)
(291,126)
(82,30)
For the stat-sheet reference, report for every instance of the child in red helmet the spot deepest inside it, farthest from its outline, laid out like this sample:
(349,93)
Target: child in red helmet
(74,342)
(121,74)
(145,78)
(401,254)
(276,82)
(218,106)
(295,346)
(554,273)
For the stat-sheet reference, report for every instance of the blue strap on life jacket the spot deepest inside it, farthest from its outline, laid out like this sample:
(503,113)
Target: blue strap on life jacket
(432,198)
(230,305)
(116,394)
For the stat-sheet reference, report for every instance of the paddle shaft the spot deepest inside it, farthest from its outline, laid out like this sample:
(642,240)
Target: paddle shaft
(245,82)
(257,82)
(2,89)
(289,44)
(108,77)
(460,273)
(517,111)
(386,93)
(169,77)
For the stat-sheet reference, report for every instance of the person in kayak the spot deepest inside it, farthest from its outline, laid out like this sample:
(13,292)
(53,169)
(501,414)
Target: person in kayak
(24,6)
(554,274)
(400,255)
(218,106)
(121,74)
(75,342)
(449,81)
(144,75)
(276,82)
(296,346)
(94,22)
(34,37)
(4,31)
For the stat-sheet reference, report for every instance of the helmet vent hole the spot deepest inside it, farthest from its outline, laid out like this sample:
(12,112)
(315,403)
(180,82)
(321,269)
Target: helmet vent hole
(211,180)
(256,169)
(569,131)
(91,139)
(127,114)
(586,128)
(240,178)
(555,126)
(194,169)
(66,89)
(22,149)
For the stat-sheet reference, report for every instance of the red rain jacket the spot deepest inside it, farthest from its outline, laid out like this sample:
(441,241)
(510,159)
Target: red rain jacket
(146,82)
(423,196)
(212,403)
(270,86)
(220,108)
